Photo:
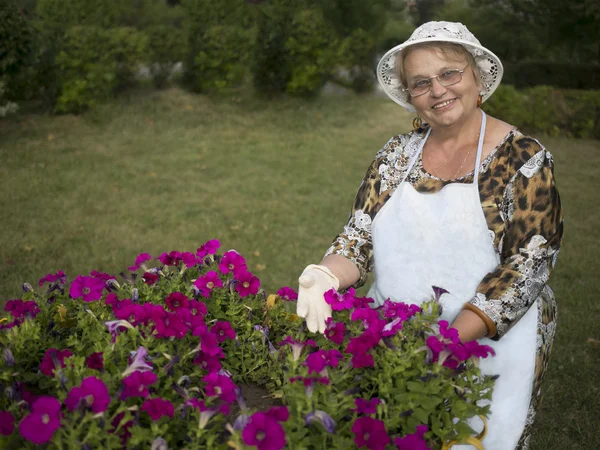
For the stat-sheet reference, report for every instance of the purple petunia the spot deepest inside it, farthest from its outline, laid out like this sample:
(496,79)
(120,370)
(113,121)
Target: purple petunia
(223,330)
(136,384)
(232,262)
(364,406)
(297,346)
(93,393)
(207,282)
(287,293)
(95,361)
(340,302)
(247,284)
(176,300)
(52,358)
(208,248)
(170,259)
(7,423)
(52,277)
(221,386)
(335,331)
(320,417)
(414,441)
(371,433)
(150,278)
(158,407)
(139,261)
(39,426)
(88,288)
(20,309)
(264,431)
(189,259)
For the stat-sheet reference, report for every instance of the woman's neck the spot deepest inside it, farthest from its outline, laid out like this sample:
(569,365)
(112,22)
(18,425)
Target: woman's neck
(449,139)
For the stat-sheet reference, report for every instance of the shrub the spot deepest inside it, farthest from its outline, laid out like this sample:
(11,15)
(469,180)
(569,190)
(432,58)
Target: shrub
(563,75)
(166,48)
(96,62)
(6,107)
(162,359)
(311,52)
(356,57)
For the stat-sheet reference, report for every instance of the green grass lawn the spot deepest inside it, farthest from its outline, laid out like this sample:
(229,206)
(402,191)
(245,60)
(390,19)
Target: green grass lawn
(162,171)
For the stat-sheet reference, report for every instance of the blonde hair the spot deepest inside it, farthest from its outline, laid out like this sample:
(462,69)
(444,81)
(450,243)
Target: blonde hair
(454,51)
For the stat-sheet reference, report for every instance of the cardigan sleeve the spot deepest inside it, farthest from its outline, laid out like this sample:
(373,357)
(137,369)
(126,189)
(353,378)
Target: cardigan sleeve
(531,210)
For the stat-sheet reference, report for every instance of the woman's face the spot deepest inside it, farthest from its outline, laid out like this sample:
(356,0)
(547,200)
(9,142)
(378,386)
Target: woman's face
(442,106)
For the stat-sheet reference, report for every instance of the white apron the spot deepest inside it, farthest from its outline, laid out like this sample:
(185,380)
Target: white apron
(442,239)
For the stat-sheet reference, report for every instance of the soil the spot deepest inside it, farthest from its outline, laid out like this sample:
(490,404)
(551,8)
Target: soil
(257,398)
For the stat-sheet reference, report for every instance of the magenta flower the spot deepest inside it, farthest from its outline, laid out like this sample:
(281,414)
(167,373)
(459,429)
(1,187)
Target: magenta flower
(95,361)
(39,426)
(115,325)
(205,412)
(208,248)
(138,363)
(414,441)
(52,277)
(150,278)
(189,259)
(20,309)
(176,300)
(210,363)
(223,330)
(247,284)
(392,310)
(7,423)
(93,393)
(362,360)
(232,262)
(321,417)
(169,325)
(310,381)
(340,302)
(391,328)
(209,343)
(124,432)
(102,276)
(371,433)
(264,432)
(53,359)
(197,309)
(362,344)
(434,343)
(477,350)
(335,331)
(139,260)
(317,361)
(364,406)
(158,407)
(287,293)
(206,283)
(448,333)
(279,413)
(88,288)
(134,313)
(297,346)
(137,383)
(221,386)
(170,259)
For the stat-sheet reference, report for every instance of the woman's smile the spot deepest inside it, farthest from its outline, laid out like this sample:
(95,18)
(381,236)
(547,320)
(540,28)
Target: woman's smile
(444,104)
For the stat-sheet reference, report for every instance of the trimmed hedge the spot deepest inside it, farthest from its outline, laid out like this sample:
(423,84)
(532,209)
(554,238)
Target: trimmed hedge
(562,75)
(547,110)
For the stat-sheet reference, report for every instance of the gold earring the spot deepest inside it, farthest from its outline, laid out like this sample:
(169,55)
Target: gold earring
(479,100)
(417,122)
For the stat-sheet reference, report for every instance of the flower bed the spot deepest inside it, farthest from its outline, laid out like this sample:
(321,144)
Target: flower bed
(192,354)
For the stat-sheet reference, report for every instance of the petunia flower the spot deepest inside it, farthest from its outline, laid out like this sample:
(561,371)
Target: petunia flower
(438,292)
(20,309)
(138,363)
(210,363)
(93,393)
(364,406)
(59,277)
(362,360)
(209,343)
(150,278)
(88,288)
(102,276)
(7,423)
(223,330)
(39,426)
(287,293)
(114,326)
(318,416)
(169,325)
(415,441)
(136,384)
(297,346)
(392,310)
(362,344)
(264,432)
(335,331)
(124,432)
(176,300)
(170,259)
(133,313)
(221,386)
(139,261)
(95,361)
(247,284)
(54,358)
(189,259)
(448,333)
(158,407)
(206,412)
(208,248)
(207,282)
(232,262)
(370,433)
(340,302)
(392,327)
(317,361)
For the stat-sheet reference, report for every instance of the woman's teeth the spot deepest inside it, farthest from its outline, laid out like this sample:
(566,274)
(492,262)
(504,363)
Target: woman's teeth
(441,105)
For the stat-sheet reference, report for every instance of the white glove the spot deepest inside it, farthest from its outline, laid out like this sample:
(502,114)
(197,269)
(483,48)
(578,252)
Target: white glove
(314,282)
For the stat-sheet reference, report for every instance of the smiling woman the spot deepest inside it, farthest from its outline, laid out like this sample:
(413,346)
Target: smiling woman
(466,202)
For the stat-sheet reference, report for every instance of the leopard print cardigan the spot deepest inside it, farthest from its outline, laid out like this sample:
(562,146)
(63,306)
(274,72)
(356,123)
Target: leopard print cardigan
(521,206)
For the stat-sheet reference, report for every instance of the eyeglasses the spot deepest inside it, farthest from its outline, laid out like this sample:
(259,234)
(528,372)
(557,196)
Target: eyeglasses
(446,78)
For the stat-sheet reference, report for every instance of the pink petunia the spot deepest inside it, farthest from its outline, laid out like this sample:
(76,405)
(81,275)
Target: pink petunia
(340,302)
(415,441)
(158,407)
(232,262)
(210,363)
(223,330)
(88,288)
(362,344)
(176,300)
(102,276)
(362,360)
(264,432)
(370,433)
(136,384)
(297,346)
(150,278)
(221,386)
(364,406)
(335,331)
(207,282)
(208,248)
(247,284)
(189,259)
(47,365)
(287,293)
(93,393)
(95,361)
(170,259)
(448,333)
(392,310)
(139,261)
(7,423)
(60,277)
(20,309)
(39,426)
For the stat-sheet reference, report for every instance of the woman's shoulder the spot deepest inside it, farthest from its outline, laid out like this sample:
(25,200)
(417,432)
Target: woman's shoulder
(526,154)
(401,145)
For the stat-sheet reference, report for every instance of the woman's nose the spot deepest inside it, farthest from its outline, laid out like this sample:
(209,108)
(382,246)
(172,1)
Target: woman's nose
(436,88)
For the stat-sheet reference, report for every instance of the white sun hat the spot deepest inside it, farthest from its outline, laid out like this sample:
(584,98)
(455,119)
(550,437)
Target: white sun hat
(489,64)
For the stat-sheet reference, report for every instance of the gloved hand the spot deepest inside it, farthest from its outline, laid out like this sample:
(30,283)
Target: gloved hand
(314,282)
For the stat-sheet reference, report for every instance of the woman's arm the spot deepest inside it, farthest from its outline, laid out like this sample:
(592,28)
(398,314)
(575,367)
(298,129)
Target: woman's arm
(531,211)
(344,269)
